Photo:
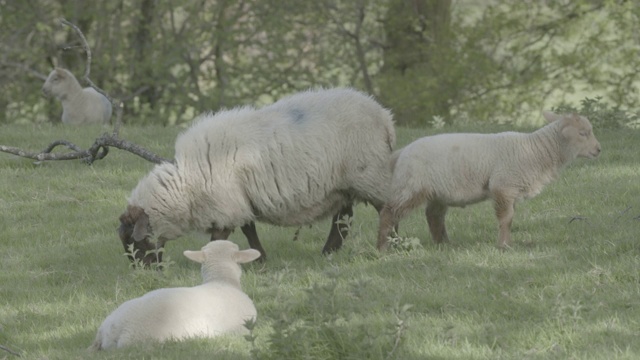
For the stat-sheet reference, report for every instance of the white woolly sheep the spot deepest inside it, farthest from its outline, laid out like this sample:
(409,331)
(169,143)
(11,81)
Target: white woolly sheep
(216,307)
(462,169)
(291,163)
(79,106)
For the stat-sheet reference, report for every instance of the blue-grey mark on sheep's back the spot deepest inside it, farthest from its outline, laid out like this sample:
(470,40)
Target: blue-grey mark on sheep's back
(297,115)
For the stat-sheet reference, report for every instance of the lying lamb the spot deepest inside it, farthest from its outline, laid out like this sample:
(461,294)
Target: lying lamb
(462,169)
(298,160)
(79,106)
(216,307)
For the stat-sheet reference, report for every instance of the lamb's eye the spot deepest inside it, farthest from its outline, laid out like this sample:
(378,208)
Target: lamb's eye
(584,133)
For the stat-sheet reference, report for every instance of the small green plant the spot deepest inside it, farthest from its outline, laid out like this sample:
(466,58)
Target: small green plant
(138,264)
(601,114)
(329,325)
(404,244)
(250,324)
(344,223)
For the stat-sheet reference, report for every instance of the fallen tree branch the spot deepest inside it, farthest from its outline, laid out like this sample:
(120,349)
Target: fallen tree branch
(9,351)
(97,151)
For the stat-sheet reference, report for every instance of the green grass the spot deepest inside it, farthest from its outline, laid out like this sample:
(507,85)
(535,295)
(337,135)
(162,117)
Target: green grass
(567,289)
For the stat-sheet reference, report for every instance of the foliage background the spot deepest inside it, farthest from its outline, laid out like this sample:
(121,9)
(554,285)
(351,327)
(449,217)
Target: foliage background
(493,61)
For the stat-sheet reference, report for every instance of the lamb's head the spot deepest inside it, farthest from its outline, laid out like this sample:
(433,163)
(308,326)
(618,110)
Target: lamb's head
(55,83)
(220,259)
(577,134)
(135,231)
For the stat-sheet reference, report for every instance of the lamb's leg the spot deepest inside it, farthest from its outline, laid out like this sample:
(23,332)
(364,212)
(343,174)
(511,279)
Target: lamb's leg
(379,209)
(436,213)
(339,230)
(387,221)
(249,230)
(505,208)
(391,215)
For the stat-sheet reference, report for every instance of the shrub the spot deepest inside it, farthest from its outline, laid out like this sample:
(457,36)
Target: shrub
(601,114)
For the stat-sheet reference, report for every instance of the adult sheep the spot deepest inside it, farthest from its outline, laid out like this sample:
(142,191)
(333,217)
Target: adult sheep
(217,307)
(462,169)
(79,106)
(301,159)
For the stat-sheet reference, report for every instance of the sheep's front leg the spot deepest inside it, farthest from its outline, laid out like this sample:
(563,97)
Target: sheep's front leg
(505,208)
(436,213)
(249,230)
(339,229)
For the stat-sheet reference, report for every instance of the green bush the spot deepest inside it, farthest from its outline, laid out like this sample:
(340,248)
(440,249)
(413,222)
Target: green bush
(601,114)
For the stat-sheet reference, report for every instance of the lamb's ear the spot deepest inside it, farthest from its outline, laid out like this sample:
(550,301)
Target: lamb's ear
(140,229)
(551,116)
(245,256)
(197,256)
(60,72)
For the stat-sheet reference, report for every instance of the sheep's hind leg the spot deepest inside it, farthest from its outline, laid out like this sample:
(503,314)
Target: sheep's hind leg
(505,208)
(436,213)
(387,221)
(249,230)
(339,229)
(392,213)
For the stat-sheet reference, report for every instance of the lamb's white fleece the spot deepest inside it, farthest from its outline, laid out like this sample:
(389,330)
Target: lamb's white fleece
(218,306)
(79,106)
(462,169)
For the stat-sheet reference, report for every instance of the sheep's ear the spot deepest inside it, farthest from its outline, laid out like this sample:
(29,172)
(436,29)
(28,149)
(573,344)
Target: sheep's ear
(197,256)
(245,256)
(140,229)
(551,116)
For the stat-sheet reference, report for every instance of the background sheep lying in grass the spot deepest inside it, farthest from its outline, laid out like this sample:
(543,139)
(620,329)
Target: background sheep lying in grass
(462,169)
(216,307)
(79,106)
(298,160)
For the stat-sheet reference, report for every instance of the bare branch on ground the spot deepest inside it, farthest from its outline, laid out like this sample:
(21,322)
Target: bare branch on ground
(9,351)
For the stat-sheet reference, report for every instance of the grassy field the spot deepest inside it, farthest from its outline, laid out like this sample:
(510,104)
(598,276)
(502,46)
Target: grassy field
(569,288)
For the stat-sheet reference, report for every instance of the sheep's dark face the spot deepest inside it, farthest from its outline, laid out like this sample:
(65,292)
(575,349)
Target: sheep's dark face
(135,230)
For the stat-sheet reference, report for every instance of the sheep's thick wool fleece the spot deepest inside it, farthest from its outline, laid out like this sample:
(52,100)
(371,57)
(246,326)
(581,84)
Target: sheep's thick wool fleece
(290,163)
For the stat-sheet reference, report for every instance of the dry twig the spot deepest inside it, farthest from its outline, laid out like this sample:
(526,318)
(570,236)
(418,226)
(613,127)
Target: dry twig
(9,351)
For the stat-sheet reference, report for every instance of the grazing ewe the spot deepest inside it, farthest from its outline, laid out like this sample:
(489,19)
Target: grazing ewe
(298,160)
(79,106)
(462,169)
(216,307)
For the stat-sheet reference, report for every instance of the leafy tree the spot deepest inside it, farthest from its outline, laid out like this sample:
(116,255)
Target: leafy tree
(495,61)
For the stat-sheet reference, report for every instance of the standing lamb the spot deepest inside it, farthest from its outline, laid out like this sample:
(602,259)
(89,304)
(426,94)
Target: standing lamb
(298,160)
(462,169)
(216,307)
(79,106)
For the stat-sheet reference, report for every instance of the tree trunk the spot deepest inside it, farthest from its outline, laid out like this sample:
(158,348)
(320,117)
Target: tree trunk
(418,42)
(143,65)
